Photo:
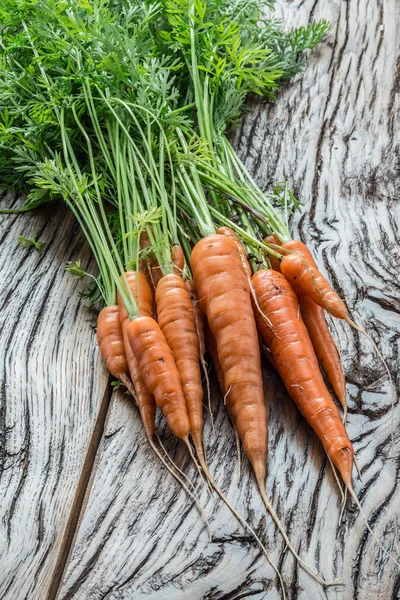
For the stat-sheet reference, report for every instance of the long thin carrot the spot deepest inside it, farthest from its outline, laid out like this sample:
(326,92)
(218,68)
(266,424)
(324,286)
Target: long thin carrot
(177,322)
(160,373)
(288,340)
(225,299)
(317,327)
(324,346)
(144,398)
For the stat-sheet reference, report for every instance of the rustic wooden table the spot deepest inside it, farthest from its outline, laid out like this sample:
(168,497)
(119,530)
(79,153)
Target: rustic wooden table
(87,511)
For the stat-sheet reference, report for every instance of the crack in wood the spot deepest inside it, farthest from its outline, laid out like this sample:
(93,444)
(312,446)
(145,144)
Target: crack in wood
(82,493)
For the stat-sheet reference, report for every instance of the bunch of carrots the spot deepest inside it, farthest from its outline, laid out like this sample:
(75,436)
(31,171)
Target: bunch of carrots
(121,110)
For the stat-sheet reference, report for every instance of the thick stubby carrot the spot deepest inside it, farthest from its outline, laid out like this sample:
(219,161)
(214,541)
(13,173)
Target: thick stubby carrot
(160,373)
(178,259)
(295,360)
(144,398)
(225,299)
(111,342)
(177,322)
(318,330)
(274,241)
(301,271)
(242,252)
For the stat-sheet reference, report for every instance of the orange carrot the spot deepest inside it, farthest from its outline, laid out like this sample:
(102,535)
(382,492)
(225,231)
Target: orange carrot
(242,252)
(111,344)
(149,264)
(144,398)
(177,322)
(178,259)
(324,346)
(302,272)
(160,374)
(225,299)
(273,240)
(295,360)
(318,330)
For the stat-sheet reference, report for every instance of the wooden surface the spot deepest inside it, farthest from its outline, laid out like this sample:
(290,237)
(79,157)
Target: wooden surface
(52,386)
(333,136)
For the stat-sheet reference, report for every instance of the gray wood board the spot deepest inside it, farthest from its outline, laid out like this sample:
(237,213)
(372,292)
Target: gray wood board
(52,385)
(332,135)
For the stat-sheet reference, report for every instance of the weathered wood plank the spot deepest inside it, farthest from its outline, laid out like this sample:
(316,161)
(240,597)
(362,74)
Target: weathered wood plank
(52,385)
(331,134)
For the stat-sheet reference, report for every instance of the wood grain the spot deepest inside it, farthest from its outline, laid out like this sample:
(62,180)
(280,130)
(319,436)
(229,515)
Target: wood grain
(333,135)
(52,385)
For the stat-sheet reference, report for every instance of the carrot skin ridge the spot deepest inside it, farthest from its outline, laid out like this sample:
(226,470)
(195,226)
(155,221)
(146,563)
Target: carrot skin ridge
(159,372)
(295,360)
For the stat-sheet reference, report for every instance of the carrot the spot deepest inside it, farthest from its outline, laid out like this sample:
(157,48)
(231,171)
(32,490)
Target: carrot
(294,357)
(111,344)
(149,264)
(177,322)
(225,299)
(324,346)
(242,252)
(318,330)
(301,271)
(160,374)
(274,242)
(243,257)
(178,259)
(211,346)
(144,398)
